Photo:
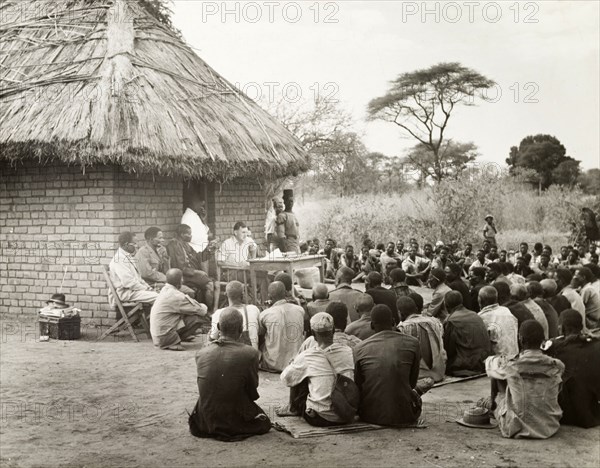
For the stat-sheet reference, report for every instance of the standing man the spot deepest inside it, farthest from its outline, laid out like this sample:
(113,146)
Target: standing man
(287,226)
(271,223)
(489,230)
(171,307)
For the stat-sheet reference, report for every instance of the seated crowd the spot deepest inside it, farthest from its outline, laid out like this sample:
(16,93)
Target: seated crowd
(528,320)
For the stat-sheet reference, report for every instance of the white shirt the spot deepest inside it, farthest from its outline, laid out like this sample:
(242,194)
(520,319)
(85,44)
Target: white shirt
(502,327)
(251,326)
(234,253)
(199,230)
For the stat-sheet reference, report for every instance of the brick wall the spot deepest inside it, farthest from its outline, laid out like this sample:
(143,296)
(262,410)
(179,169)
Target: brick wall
(239,200)
(56,217)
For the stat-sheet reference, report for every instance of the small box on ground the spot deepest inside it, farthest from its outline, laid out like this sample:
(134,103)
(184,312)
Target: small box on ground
(60,328)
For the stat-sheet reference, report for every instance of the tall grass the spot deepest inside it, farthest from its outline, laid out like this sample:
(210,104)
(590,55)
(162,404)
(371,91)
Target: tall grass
(451,211)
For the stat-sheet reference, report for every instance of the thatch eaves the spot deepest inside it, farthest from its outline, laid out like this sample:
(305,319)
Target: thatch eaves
(103,81)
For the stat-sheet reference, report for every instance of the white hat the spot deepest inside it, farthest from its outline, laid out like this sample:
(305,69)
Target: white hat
(321,322)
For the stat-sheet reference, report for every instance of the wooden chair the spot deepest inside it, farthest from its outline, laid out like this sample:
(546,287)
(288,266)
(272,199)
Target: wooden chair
(226,270)
(131,312)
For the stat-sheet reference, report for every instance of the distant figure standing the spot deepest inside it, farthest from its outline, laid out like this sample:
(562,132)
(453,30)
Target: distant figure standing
(271,223)
(287,226)
(489,230)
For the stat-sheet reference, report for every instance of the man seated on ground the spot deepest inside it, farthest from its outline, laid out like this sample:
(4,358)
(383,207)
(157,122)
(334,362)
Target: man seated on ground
(320,299)
(361,328)
(185,258)
(282,329)
(171,307)
(344,292)
(543,265)
(292,295)
(564,278)
(348,259)
(494,274)
(429,332)
(418,299)
(380,294)
(311,375)
(519,293)
(250,314)
(536,292)
(386,372)
(227,386)
(416,267)
(388,256)
(558,301)
(516,308)
(398,281)
(525,388)
(466,339)
(500,323)
(152,258)
(436,307)
(455,282)
(124,274)
(339,312)
(477,281)
(480,261)
(583,280)
(442,260)
(332,258)
(579,397)
(465,257)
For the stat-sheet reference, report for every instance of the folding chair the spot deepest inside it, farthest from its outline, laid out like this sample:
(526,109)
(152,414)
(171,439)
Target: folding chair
(131,312)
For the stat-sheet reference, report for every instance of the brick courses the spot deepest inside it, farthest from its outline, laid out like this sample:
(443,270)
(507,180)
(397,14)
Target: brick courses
(56,216)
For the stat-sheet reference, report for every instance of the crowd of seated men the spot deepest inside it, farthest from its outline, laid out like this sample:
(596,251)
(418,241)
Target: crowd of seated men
(528,320)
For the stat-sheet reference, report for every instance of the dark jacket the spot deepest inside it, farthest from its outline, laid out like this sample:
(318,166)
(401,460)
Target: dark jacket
(467,343)
(381,295)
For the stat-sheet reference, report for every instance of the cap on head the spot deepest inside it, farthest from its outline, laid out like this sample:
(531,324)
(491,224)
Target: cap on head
(321,322)
(489,216)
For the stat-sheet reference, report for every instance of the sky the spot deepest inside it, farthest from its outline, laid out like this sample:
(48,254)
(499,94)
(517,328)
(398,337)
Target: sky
(544,57)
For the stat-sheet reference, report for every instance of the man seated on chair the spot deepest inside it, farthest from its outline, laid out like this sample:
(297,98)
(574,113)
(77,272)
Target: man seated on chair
(125,275)
(311,375)
(227,386)
(185,258)
(238,249)
(153,261)
(172,306)
(386,372)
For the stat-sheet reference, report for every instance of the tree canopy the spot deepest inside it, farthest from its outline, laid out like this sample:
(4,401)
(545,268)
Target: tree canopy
(547,157)
(421,103)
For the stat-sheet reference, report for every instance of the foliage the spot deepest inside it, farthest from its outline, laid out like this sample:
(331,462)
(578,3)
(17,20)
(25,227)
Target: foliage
(421,103)
(590,181)
(452,160)
(546,156)
(453,209)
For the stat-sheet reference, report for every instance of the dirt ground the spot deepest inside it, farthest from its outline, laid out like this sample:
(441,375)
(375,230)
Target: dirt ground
(118,403)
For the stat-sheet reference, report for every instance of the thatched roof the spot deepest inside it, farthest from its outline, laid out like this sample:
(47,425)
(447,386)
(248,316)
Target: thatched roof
(103,81)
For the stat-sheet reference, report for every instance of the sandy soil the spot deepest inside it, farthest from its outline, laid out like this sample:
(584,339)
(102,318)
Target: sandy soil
(117,402)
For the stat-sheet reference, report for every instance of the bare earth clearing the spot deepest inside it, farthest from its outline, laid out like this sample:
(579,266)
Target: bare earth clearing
(117,402)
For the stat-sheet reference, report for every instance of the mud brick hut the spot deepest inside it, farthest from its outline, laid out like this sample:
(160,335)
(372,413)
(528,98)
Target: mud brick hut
(108,122)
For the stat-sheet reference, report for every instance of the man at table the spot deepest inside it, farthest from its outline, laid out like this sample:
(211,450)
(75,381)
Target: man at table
(238,249)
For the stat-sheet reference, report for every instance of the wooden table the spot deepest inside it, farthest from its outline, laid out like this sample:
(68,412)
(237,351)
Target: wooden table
(287,264)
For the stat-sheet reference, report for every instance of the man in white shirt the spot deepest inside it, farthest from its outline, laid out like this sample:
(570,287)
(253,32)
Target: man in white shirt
(125,275)
(194,217)
(250,313)
(237,249)
(501,324)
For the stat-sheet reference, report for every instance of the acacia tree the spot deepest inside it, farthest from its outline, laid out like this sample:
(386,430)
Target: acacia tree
(421,103)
